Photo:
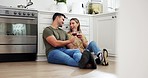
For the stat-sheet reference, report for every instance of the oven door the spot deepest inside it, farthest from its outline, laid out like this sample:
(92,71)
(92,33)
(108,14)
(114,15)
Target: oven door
(18,34)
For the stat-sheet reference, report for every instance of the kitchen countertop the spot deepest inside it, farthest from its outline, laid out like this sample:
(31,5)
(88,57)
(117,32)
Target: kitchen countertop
(81,14)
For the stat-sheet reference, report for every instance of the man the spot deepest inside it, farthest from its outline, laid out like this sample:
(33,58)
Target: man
(56,41)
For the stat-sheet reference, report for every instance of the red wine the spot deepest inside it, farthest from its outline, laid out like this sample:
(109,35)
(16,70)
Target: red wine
(74,34)
(79,36)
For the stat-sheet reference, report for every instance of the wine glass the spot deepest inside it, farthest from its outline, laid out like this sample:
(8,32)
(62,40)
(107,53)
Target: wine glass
(74,33)
(79,35)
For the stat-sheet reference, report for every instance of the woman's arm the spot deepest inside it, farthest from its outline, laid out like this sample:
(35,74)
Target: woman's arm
(85,43)
(84,40)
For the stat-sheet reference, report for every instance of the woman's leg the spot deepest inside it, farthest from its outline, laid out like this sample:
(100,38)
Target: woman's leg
(59,57)
(92,47)
(74,53)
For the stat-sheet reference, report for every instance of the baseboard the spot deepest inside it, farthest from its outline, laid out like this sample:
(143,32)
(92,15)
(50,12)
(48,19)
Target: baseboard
(112,58)
(41,58)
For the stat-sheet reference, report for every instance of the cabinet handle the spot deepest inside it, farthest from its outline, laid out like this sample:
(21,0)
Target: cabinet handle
(113,17)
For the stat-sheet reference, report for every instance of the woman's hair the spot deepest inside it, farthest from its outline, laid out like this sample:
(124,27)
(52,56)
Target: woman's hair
(77,21)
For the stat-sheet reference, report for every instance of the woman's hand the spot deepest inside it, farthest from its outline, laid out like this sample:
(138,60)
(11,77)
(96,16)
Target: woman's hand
(79,35)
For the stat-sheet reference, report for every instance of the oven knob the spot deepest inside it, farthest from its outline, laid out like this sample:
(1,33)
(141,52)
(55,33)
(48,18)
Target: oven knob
(7,12)
(24,13)
(15,12)
(28,14)
(19,13)
(32,14)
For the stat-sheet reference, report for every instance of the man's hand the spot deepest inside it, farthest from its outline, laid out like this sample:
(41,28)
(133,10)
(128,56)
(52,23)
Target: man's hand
(72,39)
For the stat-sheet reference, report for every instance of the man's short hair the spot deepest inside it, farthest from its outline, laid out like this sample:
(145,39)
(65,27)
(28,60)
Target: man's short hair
(58,14)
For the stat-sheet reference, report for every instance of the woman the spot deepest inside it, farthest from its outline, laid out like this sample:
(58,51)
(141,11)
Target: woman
(82,43)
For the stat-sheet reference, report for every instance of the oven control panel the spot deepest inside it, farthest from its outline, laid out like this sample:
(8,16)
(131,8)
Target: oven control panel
(18,12)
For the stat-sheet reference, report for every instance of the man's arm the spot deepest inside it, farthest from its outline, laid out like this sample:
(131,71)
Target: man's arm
(58,43)
(71,46)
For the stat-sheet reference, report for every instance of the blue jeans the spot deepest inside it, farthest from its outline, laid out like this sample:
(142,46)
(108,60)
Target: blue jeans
(92,47)
(69,57)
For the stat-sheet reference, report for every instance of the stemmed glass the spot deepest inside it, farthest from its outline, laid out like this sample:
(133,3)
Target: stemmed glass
(79,35)
(74,33)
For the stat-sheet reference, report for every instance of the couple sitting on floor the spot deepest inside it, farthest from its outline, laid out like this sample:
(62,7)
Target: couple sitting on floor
(79,53)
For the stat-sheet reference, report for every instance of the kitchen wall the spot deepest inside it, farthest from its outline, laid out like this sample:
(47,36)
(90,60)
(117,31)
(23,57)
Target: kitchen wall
(47,5)
(12,2)
(37,4)
(42,5)
(132,39)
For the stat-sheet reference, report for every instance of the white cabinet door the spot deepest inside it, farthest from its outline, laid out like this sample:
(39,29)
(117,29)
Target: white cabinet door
(104,32)
(44,20)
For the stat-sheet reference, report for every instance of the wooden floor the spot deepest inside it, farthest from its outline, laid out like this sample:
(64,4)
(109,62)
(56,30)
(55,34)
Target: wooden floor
(47,70)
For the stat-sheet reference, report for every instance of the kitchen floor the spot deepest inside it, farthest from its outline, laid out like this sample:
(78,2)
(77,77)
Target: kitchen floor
(47,70)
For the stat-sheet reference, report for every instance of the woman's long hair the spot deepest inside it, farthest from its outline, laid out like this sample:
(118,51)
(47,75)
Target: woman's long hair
(77,21)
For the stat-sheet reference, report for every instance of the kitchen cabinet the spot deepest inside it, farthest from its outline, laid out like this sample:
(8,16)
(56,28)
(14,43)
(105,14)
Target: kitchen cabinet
(45,19)
(99,28)
(104,31)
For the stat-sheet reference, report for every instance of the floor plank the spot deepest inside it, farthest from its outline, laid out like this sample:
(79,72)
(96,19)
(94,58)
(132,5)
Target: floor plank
(48,70)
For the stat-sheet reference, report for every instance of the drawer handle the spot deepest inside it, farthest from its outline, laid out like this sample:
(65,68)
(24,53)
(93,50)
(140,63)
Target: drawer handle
(114,16)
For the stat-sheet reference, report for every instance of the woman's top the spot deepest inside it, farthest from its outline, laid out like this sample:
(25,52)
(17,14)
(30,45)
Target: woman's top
(78,43)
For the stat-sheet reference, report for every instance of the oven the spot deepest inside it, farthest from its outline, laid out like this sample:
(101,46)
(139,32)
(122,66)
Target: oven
(18,34)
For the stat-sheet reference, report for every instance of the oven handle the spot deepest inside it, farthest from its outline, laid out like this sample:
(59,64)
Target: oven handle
(15,17)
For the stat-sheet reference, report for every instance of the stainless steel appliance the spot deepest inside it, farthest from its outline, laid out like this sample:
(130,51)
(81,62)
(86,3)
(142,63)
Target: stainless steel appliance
(18,34)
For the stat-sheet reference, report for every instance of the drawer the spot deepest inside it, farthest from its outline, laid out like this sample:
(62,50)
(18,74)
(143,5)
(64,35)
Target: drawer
(45,20)
(45,16)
